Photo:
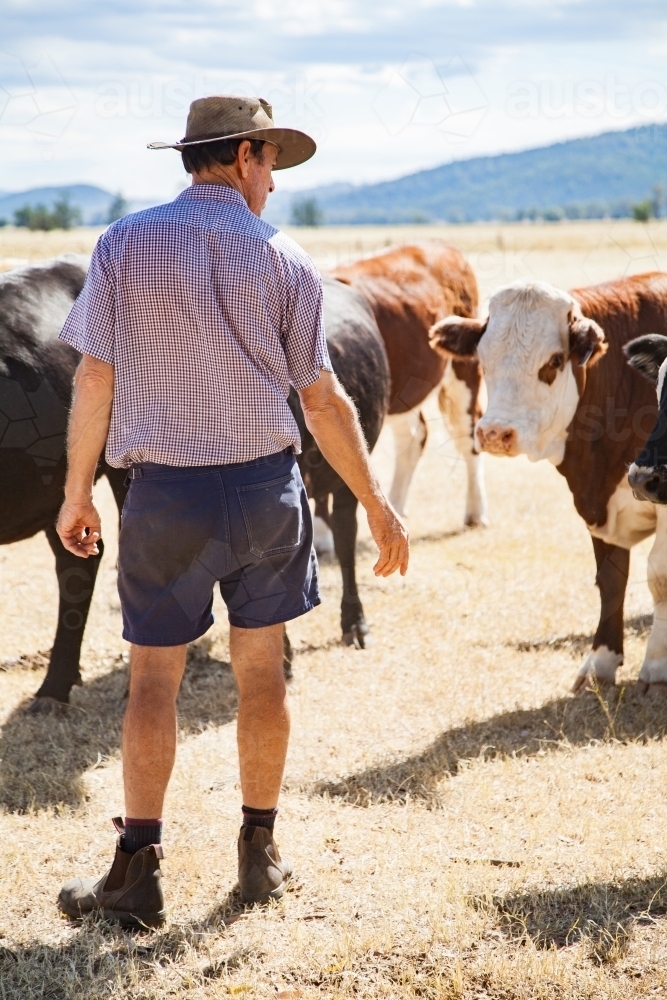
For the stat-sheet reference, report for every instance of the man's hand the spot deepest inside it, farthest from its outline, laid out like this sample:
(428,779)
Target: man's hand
(332,420)
(391,537)
(79,527)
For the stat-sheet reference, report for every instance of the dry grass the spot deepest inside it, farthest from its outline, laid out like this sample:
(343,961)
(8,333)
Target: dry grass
(20,246)
(569,254)
(462,827)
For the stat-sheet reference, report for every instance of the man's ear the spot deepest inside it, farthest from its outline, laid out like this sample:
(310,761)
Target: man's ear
(243,158)
(647,354)
(456,336)
(587,340)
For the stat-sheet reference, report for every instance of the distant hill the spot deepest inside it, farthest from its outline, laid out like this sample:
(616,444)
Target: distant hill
(603,175)
(92,201)
(594,177)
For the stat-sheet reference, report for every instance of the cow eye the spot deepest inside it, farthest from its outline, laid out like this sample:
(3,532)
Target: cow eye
(550,368)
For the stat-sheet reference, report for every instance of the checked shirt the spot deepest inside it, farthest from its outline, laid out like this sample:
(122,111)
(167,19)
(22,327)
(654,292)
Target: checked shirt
(207,315)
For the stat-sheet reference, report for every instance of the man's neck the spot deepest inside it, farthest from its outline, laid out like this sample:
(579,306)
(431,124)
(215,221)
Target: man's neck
(226,176)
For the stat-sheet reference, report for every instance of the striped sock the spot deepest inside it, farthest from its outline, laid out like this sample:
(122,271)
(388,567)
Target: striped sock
(140,833)
(257,817)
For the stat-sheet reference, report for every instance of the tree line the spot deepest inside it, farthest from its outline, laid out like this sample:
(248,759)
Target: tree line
(63,215)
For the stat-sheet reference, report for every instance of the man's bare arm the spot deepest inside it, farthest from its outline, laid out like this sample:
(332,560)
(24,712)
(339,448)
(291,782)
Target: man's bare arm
(79,524)
(332,420)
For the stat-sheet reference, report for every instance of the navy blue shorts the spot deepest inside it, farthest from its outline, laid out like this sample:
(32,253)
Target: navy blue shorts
(247,526)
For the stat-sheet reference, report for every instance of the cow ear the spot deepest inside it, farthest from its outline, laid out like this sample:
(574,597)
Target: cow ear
(647,354)
(587,340)
(456,336)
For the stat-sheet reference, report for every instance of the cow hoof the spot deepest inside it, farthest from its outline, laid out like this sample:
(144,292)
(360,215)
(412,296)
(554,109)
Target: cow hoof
(476,522)
(591,684)
(359,636)
(598,670)
(652,678)
(44,705)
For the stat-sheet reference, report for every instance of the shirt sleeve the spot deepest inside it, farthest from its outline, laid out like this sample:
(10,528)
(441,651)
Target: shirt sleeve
(304,340)
(91,326)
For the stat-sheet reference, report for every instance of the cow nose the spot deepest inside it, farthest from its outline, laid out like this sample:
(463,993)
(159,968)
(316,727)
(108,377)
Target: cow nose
(497,439)
(645,482)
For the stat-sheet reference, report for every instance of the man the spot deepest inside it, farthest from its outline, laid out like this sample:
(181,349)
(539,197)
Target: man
(195,319)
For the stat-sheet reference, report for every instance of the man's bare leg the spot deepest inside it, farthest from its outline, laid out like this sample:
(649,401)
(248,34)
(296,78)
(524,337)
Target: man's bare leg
(149,729)
(149,748)
(263,720)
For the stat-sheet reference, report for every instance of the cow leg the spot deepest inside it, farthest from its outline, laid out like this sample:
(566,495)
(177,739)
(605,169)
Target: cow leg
(322,535)
(476,515)
(653,673)
(457,406)
(76,581)
(613,567)
(344,526)
(410,433)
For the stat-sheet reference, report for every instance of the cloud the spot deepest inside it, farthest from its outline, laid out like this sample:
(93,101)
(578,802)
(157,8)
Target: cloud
(274,33)
(122,74)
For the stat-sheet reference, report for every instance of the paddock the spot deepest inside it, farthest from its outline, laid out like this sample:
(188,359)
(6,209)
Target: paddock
(462,827)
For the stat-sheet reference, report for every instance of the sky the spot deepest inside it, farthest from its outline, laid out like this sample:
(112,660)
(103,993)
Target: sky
(385,88)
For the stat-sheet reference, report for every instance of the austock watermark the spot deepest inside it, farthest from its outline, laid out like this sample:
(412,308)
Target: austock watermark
(35,99)
(75,585)
(34,422)
(445,97)
(593,422)
(610,97)
(497,263)
(146,97)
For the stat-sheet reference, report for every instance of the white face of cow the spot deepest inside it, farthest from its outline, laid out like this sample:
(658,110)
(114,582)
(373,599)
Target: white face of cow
(530,347)
(526,357)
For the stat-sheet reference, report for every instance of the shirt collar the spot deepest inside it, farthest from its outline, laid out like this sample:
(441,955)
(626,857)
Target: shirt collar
(213,192)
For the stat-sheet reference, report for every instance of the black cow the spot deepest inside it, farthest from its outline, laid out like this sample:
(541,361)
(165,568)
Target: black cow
(360,362)
(36,371)
(648,473)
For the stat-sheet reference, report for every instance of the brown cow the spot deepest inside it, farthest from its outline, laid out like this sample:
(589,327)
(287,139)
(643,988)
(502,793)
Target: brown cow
(559,388)
(409,288)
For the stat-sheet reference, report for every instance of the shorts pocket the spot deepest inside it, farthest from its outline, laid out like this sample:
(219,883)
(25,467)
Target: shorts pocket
(273,515)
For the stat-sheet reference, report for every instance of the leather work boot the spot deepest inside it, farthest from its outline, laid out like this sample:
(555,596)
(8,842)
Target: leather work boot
(130,893)
(262,872)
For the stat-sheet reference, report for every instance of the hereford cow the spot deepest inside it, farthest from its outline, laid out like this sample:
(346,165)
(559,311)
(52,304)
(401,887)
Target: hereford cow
(409,288)
(559,388)
(36,371)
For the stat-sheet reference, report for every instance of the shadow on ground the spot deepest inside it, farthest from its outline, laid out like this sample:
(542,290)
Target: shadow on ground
(102,953)
(43,757)
(621,714)
(578,643)
(601,914)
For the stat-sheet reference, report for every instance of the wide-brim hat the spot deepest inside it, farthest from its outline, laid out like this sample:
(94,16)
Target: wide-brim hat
(226,117)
